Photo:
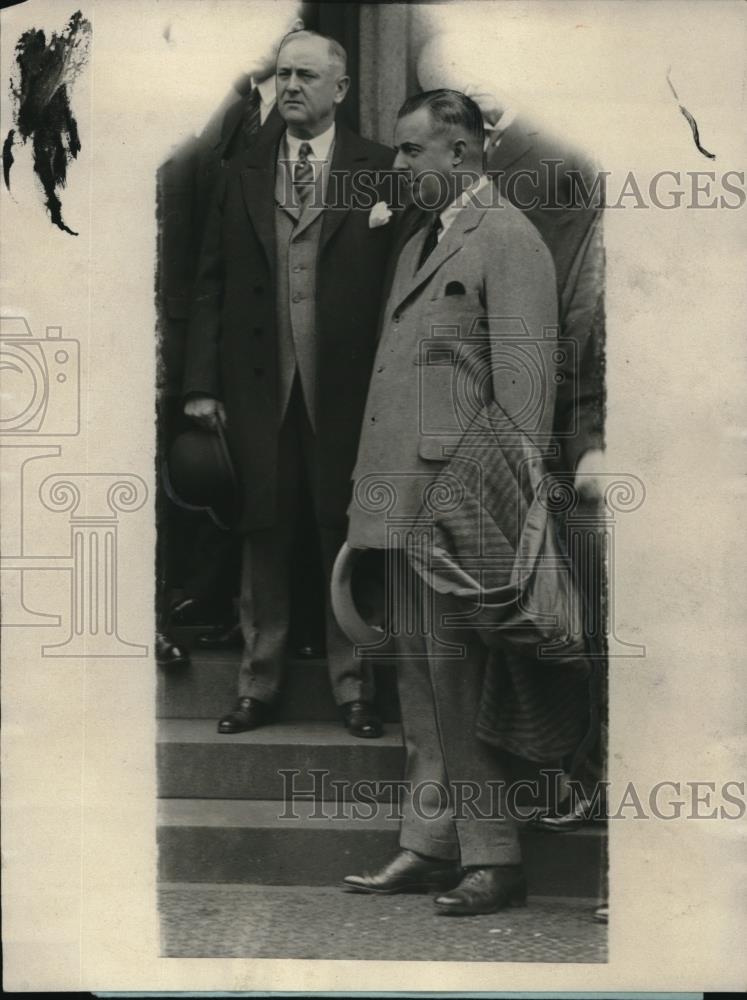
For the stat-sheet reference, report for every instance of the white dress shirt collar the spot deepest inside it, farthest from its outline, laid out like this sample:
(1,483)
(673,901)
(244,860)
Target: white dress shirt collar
(266,90)
(320,145)
(451,211)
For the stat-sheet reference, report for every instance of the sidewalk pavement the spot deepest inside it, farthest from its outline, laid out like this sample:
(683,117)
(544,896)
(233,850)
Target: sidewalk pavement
(200,920)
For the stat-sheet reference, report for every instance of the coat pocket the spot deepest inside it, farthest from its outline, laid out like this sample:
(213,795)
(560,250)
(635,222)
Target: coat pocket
(437,447)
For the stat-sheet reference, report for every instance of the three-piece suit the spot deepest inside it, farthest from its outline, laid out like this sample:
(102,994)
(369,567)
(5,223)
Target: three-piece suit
(283,332)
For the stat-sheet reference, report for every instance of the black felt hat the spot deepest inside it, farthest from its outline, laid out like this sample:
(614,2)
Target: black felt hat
(199,475)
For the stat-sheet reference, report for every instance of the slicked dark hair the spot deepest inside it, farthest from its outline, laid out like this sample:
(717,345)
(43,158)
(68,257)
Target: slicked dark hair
(448,108)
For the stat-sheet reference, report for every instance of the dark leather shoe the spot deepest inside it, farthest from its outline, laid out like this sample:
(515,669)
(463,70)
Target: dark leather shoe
(485,890)
(168,653)
(248,714)
(407,872)
(221,637)
(563,820)
(362,719)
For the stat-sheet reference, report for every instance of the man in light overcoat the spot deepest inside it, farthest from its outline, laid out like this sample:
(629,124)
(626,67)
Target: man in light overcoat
(470,317)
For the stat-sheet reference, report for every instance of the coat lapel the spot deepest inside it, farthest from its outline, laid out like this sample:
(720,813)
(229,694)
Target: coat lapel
(302,218)
(348,156)
(284,190)
(313,210)
(450,244)
(258,184)
(411,219)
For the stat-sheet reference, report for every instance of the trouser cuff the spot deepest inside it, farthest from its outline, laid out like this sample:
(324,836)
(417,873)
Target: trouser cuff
(353,692)
(503,849)
(433,847)
(252,688)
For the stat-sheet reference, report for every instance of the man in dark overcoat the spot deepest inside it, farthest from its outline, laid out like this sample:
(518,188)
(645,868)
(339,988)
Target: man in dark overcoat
(281,342)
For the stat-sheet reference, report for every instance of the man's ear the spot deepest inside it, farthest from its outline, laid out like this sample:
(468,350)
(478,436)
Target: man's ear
(297,25)
(343,85)
(459,147)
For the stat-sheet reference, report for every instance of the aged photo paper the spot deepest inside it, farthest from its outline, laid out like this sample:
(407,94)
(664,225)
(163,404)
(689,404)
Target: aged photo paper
(282,284)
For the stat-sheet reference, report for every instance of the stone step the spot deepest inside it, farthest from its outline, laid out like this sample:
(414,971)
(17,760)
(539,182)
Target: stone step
(270,843)
(320,759)
(207,689)
(195,761)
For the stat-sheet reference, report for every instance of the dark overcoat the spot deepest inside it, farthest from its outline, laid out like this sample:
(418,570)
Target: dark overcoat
(232,344)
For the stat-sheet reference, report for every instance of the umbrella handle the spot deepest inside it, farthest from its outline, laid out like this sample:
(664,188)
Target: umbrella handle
(343,605)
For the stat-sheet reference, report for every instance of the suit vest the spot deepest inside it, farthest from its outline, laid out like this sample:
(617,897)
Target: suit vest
(297,237)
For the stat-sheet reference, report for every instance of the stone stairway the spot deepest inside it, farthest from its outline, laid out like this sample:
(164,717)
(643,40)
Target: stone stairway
(224,814)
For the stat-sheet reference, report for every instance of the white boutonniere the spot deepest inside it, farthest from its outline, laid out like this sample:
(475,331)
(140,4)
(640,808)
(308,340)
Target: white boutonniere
(381,213)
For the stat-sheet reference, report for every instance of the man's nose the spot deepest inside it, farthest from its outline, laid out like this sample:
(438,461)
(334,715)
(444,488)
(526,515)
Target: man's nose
(293,82)
(400,162)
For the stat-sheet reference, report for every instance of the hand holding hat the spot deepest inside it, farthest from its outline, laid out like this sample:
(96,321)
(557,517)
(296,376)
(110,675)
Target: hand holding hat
(199,474)
(206,410)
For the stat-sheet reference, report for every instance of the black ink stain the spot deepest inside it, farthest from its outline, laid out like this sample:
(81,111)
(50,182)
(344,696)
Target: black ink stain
(690,121)
(40,90)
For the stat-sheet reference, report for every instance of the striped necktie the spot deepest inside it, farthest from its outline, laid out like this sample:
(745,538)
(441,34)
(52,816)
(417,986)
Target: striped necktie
(251,119)
(303,176)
